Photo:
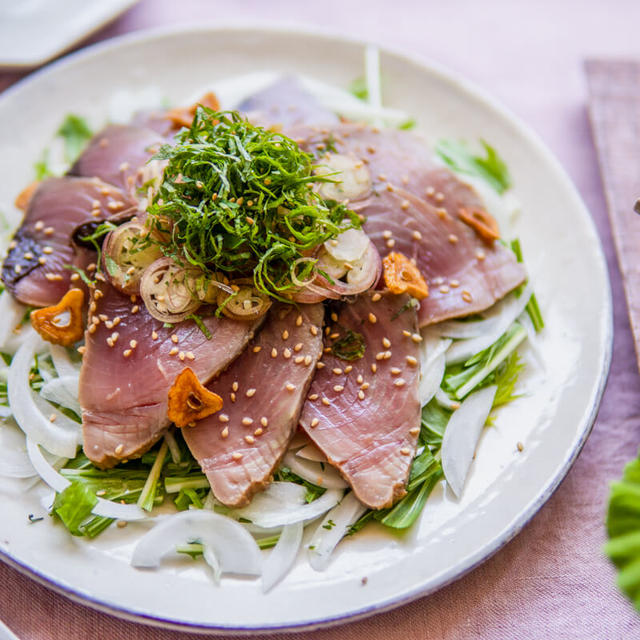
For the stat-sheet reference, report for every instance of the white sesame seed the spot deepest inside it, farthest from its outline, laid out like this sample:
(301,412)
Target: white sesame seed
(249,439)
(374,367)
(313,396)
(348,368)
(285,335)
(314,422)
(338,388)
(247,421)
(359,379)
(223,417)
(257,348)
(250,393)
(298,359)
(320,365)
(52,417)
(307,360)
(387,355)
(444,289)
(290,387)
(481,255)
(416,337)
(372,318)
(49,231)
(390,243)
(119,449)
(258,432)
(405,452)
(335,335)
(47,250)
(173,351)
(415,431)
(287,353)
(274,353)
(190,355)
(334,316)
(412,361)
(298,347)
(236,456)
(453,238)
(314,330)
(263,421)
(299,320)
(132,343)
(174,339)
(400,382)
(232,395)
(386,343)
(38,226)
(225,432)
(361,395)
(337,371)
(154,335)
(466,296)
(395,371)
(326,402)
(454,284)
(375,297)
(416,235)
(234,386)
(126,353)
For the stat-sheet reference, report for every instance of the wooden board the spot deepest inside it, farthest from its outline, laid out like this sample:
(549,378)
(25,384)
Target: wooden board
(614,109)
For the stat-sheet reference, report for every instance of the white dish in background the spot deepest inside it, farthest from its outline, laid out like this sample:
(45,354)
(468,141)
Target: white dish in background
(506,487)
(34,31)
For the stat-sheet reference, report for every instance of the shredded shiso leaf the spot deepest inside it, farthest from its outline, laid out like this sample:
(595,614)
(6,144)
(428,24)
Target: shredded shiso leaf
(75,133)
(238,199)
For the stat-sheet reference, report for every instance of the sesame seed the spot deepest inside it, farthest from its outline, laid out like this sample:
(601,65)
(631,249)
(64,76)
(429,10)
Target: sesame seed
(29,256)
(364,386)
(412,361)
(247,421)
(415,431)
(387,355)
(466,296)
(439,197)
(320,365)
(400,382)
(338,388)
(190,355)
(481,255)
(520,446)
(49,231)
(119,449)
(326,402)
(314,422)
(250,393)
(223,417)
(154,335)
(47,250)
(361,395)
(390,187)
(298,347)
(287,353)
(234,386)
(374,367)
(348,368)
(126,353)
(93,328)
(375,297)
(52,417)
(416,235)
(173,351)
(359,379)
(380,355)
(225,432)
(116,321)
(313,396)
(249,439)
(232,395)
(453,238)
(395,371)
(18,268)
(307,360)
(444,289)
(390,243)
(337,371)
(42,260)
(404,205)
(132,343)
(416,337)
(174,339)
(314,330)
(372,318)
(386,234)
(38,226)
(386,343)
(182,355)
(334,316)
(81,350)
(258,431)
(274,353)
(236,456)
(405,452)
(299,359)
(290,387)
(406,333)
(263,421)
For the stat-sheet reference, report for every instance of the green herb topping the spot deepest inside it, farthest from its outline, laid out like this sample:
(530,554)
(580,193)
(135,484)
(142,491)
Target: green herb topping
(351,346)
(238,199)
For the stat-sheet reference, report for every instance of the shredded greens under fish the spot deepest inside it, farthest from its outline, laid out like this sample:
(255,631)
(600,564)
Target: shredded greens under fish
(237,199)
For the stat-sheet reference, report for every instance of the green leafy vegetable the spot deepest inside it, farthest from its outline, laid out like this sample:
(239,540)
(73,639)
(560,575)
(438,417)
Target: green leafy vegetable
(73,506)
(407,125)
(237,199)
(284,474)
(434,422)
(351,346)
(148,494)
(490,168)
(76,133)
(460,380)
(623,528)
(41,166)
(532,308)
(359,88)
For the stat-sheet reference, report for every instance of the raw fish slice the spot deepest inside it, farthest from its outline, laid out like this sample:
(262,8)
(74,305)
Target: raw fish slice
(364,414)
(35,269)
(130,362)
(263,391)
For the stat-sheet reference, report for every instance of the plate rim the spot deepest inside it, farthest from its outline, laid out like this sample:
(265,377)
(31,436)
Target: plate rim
(451,77)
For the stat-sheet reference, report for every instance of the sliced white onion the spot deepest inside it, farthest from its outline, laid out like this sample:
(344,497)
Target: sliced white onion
(332,529)
(56,437)
(273,507)
(461,437)
(327,478)
(349,246)
(350,177)
(445,401)
(63,391)
(62,362)
(311,452)
(362,276)
(212,560)
(431,379)
(300,439)
(532,340)
(59,483)
(14,459)
(502,313)
(462,350)
(234,549)
(283,555)
(11,313)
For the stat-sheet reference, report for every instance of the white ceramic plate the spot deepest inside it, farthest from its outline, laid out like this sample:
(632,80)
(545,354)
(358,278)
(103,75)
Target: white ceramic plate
(34,31)
(506,488)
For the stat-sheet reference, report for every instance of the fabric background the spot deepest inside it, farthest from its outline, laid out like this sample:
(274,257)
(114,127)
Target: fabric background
(552,581)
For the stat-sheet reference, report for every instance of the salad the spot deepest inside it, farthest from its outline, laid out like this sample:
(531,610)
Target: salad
(259,323)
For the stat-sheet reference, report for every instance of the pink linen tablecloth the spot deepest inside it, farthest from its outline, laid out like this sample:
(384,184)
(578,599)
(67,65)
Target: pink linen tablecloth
(552,581)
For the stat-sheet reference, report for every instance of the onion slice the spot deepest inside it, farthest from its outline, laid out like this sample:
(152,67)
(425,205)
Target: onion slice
(14,460)
(234,548)
(461,437)
(63,391)
(311,452)
(11,313)
(53,436)
(59,483)
(327,478)
(283,555)
(349,246)
(332,529)
(62,362)
(273,508)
